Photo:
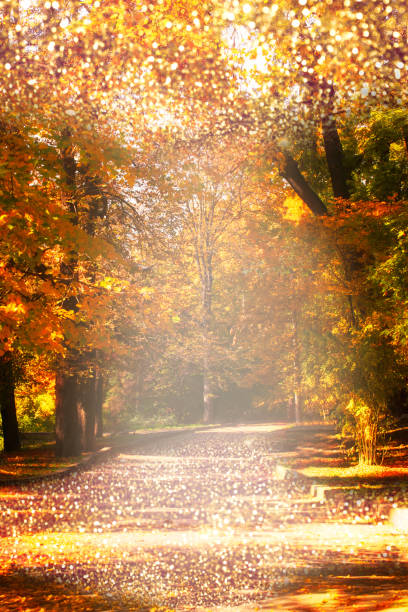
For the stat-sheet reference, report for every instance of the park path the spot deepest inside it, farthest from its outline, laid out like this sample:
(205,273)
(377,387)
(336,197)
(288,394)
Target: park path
(201,521)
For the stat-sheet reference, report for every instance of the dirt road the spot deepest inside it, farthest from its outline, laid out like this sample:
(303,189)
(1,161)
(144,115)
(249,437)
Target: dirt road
(200,521)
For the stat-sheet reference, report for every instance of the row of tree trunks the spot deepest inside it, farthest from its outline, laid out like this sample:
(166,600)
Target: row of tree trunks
(79,388)
(78,412)
(79,404)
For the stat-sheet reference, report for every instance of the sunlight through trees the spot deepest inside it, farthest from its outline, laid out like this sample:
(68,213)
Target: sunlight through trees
(204,203)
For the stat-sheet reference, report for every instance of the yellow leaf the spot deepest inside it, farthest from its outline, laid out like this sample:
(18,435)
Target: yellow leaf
(147,291)
(295,208)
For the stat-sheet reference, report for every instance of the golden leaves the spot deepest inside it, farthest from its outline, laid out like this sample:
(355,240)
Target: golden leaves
(13,308)
(295,208)
(146,291)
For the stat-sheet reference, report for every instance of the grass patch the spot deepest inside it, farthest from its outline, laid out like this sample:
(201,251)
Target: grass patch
(317,452)
(356,471)
(36,458)
(20,591)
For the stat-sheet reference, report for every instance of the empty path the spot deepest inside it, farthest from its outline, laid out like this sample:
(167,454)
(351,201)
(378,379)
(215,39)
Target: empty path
(200,521)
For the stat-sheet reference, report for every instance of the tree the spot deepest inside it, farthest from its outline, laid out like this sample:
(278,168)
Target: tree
(97,268)
(29,289)
(208,188)
(49,53)
(211,197)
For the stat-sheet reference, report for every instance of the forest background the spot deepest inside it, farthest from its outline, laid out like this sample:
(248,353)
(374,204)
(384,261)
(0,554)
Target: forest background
(203,215)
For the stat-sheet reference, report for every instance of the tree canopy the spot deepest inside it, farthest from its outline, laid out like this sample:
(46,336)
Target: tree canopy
(203,204)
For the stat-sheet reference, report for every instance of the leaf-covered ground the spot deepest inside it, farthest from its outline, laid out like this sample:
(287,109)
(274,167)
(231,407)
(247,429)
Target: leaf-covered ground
(21,592)
(200,520)
(32,462)
(37,455)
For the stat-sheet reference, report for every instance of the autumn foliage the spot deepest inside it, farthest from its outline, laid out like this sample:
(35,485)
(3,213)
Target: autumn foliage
(199,202)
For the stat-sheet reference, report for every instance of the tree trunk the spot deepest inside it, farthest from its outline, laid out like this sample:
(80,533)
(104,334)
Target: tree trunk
(334,150)
(289,410)
(88,405)
(297,376)
(68,415)
(76,409)
(338,175)
(208,398)
(297,181)
(335,163)
(99,393)
(11,434)
(334,158)
(297,405)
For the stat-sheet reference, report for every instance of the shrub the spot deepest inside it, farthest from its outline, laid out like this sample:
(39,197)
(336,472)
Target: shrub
(366,424)
(35,412)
